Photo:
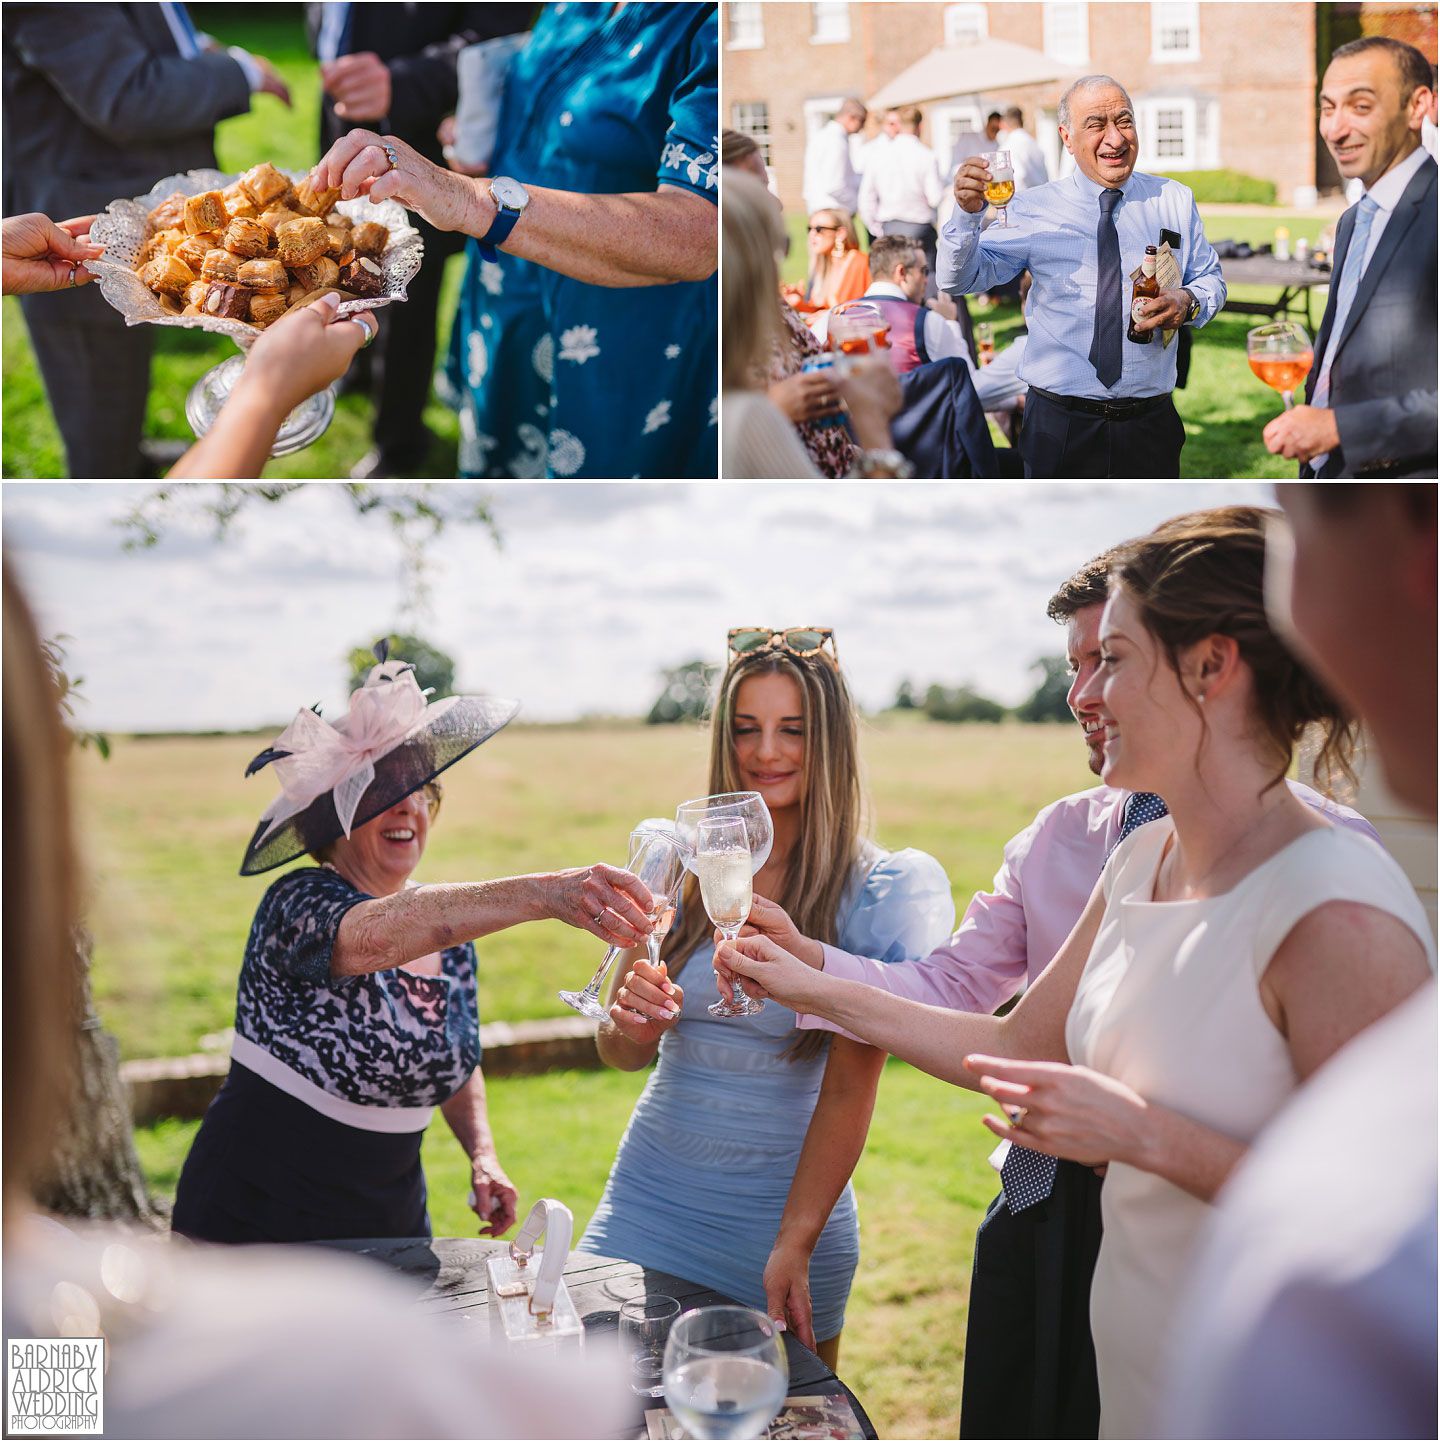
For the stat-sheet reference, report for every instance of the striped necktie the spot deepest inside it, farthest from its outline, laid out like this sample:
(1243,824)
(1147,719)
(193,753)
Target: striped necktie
(1350,278)
(1027,1177)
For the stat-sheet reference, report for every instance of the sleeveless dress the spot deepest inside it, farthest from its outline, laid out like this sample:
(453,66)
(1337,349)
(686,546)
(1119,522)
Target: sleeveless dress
(1169,1003)
(706,1163)
(316,1132)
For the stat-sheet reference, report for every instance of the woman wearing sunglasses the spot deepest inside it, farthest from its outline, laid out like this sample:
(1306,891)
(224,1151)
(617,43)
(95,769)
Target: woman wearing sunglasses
(748,1128)
(839,270)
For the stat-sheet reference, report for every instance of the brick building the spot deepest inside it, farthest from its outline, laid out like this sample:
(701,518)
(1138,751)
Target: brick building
(1217,84)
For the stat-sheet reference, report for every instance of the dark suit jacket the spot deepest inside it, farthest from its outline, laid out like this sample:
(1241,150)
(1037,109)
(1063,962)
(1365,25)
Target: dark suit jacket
(419,44)
(941,428)
(1382,380)
(99,104)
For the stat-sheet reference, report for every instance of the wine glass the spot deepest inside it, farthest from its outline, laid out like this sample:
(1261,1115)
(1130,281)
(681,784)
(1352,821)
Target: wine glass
(658,859)
(725,1372)
(1281,355)
(722,862)
(644,1328)
(750,807)
(856,329)
(1000,188)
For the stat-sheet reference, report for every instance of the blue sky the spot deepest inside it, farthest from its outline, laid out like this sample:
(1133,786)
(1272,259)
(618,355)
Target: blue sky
(594,589)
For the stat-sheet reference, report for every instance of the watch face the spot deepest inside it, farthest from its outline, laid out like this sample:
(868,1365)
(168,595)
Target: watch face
(509,193)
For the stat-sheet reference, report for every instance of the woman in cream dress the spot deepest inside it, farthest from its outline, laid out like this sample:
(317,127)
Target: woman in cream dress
(1228,951)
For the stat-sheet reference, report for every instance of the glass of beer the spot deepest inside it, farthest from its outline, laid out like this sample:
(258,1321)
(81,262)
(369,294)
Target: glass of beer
(985,341)
(1000,188)
(1281,355)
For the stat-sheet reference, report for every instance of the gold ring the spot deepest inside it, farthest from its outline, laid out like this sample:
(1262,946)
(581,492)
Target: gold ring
(390,155)
(1016,1115)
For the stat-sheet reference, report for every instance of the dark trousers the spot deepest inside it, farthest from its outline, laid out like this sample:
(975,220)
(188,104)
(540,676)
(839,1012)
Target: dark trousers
(97,375)
(1029,1360)
(405,353)
(1059,443)
(925,234)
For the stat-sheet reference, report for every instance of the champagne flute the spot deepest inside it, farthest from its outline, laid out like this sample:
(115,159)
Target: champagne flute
(725,1372)
(658,859)
(722,862)
(1281,355)
(1000,188)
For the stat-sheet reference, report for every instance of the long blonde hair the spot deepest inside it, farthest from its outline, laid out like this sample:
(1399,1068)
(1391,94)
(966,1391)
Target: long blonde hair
(833,809)
(753,236)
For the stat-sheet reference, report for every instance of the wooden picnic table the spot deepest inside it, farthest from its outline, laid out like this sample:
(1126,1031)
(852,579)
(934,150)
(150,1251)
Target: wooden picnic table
(1296,281)
(448,1276)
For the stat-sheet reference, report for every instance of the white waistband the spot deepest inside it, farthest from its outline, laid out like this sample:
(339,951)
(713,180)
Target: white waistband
(352,1114)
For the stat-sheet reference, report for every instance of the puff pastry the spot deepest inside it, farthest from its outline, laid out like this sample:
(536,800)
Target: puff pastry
(298,242)
(167,275)
(219,265)
(246,237)
(194,248)
(267,308)
(205,211)
(238,204)
(170,211)
(273,217)
(264,184)
(370,237)
(263,275)
(319,273)
(316,202)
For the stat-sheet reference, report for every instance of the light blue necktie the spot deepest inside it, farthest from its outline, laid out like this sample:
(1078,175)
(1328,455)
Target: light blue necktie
(1349,284)
(188,26)
(1027,1177)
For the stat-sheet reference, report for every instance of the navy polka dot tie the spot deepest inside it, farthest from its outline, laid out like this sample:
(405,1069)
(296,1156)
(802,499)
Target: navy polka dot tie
(1027,1177)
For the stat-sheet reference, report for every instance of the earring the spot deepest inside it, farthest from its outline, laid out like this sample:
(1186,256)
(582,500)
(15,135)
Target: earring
(837,251)
(1201,698)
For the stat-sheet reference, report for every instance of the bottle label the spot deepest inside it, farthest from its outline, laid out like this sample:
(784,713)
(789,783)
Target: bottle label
(1137,310)
(1147,267)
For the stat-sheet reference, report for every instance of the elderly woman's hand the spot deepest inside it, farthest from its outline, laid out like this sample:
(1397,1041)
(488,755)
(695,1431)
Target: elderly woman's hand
(1065,1111)
(606,901)
(493,1197)
(358,164)
(39,255)
(647,1004)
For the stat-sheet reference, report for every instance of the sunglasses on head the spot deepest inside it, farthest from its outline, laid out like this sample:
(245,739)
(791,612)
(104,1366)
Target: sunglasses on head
(797,640)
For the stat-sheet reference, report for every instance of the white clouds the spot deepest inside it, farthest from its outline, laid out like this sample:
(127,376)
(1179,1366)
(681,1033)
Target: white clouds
(594,589)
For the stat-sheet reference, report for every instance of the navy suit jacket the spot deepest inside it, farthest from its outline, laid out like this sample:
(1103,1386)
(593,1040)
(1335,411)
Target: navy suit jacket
(1382,380)
(941,426)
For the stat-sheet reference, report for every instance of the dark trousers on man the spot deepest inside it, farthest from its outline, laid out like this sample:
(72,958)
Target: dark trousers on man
(1066,437)
(97,375)
(405,354)
(925,234)
(1029,1359)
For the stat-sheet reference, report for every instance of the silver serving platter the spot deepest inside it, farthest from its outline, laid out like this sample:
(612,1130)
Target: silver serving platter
(124,227)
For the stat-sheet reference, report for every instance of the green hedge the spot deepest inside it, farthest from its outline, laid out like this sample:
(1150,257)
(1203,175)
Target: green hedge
(1227,187)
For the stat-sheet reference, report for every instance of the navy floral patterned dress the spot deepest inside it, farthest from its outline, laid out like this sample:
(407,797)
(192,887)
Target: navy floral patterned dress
(556,377)
(316,1133)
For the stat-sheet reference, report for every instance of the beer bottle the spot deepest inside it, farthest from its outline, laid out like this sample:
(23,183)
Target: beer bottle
(1146,288)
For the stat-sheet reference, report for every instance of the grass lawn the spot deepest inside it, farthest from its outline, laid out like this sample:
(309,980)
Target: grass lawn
(1223,406)
(903,1347)
(289,139)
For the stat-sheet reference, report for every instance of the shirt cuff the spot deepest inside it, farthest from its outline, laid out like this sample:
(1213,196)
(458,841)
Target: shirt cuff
(254,76)
(836,963)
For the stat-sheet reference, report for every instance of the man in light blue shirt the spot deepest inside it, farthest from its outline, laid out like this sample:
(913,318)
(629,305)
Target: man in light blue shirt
(1099,403)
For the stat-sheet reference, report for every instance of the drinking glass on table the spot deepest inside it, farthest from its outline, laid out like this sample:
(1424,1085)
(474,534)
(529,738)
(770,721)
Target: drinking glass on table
(658,859)
(725,1372)
(644,1329)
(1000,188)
(1281,355)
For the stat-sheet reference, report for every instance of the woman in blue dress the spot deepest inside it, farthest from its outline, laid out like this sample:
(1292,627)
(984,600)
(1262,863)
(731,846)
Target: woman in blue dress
(748,1127)
(585,341)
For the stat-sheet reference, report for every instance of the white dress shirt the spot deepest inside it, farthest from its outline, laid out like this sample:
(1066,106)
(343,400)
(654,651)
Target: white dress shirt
(1052,233)
(830,179)
(1386,193)
(1026,157)
(902,182)
(1430,138)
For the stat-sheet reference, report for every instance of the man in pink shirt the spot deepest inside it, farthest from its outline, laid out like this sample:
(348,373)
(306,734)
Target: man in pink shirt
(1029,1361)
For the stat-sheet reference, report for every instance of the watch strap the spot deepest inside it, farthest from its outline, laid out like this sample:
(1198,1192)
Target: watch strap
(499,231)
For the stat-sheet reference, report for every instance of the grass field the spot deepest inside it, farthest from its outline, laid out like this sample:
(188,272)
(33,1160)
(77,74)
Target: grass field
(289,139)
(166,820)
(1223,406)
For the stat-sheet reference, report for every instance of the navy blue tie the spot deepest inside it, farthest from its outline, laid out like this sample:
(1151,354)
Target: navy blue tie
(1107,345)
(1026,1177)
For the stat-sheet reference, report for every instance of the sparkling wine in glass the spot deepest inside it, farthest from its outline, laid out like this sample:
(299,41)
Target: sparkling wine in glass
(1000,188)
(725,1372)
(750,807)
(722,862)
(658,858)
(1281,355)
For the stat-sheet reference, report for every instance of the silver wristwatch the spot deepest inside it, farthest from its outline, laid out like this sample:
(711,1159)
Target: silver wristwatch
(510,199)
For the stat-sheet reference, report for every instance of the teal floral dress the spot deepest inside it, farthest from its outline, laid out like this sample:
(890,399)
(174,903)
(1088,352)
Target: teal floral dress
(554,377)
